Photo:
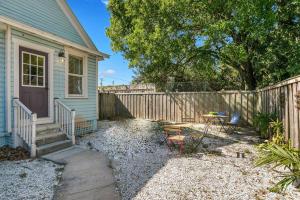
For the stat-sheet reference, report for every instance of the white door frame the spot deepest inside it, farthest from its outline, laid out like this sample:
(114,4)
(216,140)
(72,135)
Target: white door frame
(17,43)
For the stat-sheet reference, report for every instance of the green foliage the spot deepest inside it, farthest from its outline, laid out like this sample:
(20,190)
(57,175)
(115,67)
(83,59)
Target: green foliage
(280,156)
(235,42)
(277,131)
(213,113)
(262,122)
(278,153)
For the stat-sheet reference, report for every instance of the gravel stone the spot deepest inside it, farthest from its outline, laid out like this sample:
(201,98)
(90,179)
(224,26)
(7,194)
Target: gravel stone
(144,167)
(28,179)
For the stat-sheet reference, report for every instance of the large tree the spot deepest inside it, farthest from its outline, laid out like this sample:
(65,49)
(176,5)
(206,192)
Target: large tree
(202,39)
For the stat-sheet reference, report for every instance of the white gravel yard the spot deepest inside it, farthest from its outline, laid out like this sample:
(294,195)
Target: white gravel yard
(144,167)
(28,179)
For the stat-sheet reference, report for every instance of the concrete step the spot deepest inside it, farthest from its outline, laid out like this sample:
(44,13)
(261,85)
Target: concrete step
(52,147)
(47,128)
(48,138)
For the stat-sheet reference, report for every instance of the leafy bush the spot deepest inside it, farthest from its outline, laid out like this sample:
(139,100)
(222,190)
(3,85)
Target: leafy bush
(277,132)
(281,156)
(262,122)
(278,153)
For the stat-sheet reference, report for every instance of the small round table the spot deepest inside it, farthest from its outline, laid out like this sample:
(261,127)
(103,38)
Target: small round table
(209,119)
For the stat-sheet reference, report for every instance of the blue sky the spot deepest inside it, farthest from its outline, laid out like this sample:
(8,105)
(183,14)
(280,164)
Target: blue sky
(94,17)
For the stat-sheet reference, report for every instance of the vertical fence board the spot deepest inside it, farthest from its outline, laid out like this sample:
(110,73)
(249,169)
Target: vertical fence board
(175,106)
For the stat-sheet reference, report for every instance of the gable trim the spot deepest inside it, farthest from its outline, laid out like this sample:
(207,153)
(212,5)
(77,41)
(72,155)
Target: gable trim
(50,36)
(76,24)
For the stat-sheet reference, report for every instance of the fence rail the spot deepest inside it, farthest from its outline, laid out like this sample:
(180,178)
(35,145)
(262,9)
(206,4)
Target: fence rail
(189,106)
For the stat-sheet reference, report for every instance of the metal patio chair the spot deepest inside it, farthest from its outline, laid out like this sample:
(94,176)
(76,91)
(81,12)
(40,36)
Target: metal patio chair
(233,123)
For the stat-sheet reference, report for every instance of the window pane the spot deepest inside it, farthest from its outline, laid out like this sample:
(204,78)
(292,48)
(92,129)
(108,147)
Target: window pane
(33,70)
(75,65)
(40,81)
(26,58)
(33,80)
(41,61)
(25,80)
(75,85)
(26,69)
(41,71)
(33,60)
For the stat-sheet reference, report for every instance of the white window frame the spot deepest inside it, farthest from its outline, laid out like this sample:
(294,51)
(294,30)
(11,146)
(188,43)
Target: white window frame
(84,57)
(44,67)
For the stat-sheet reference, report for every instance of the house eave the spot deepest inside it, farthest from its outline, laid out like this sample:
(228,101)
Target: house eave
(50,36)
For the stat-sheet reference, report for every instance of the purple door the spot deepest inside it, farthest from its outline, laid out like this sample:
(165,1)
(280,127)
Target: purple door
(33,86)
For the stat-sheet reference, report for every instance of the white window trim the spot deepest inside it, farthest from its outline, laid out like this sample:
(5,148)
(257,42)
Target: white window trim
(84,56)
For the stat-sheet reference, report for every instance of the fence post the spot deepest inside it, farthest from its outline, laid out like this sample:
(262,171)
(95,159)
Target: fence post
(33,134)
(73,126)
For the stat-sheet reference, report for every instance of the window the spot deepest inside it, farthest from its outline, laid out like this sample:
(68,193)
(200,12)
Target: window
(76,76)
(33,70)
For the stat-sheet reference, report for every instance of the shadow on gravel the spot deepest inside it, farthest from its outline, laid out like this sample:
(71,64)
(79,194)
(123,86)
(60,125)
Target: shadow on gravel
(137,150)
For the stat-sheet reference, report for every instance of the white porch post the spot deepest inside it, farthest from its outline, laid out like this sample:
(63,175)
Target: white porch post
(15,130)
(73,126)
(33,135)
(7,75)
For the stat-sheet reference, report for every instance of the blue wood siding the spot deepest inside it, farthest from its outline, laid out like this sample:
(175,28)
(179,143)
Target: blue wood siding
(45,15)
(85,108)
(2,82)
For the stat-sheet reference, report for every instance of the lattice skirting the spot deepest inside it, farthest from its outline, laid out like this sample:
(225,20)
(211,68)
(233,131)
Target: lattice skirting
(83,127)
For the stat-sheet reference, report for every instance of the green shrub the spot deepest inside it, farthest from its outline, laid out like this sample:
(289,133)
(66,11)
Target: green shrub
(262,122)
(277,132)
(281,156)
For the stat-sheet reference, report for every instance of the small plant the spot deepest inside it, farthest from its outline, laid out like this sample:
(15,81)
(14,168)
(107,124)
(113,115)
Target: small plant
(281,156)
(262,122)
(277,131)
(276,126)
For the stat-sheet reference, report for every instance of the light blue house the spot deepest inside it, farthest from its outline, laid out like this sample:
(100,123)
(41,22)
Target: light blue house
(48,75)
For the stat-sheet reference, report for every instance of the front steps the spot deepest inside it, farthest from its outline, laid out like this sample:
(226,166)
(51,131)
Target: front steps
(50,139)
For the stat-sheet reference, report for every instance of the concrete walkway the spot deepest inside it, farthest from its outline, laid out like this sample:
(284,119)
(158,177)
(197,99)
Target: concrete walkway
(87,175)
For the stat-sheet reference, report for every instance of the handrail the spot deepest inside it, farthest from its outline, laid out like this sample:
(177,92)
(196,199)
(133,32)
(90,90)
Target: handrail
(24,125)
(23,106)
(65,117)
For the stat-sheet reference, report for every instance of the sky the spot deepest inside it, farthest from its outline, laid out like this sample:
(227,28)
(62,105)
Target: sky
(94,17)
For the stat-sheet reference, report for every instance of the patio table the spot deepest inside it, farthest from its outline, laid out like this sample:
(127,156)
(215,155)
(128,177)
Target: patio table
(209,119)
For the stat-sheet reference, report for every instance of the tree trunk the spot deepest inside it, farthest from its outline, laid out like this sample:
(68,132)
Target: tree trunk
(247,74)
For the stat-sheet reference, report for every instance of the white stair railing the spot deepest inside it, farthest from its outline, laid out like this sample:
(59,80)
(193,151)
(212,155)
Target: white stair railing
(25,125)
(65,117)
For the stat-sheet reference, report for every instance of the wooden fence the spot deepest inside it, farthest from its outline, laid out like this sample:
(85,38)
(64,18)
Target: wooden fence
(281,98)
(178,107)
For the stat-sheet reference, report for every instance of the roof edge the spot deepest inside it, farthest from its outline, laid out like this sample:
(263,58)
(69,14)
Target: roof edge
(76,23)
(50,36)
